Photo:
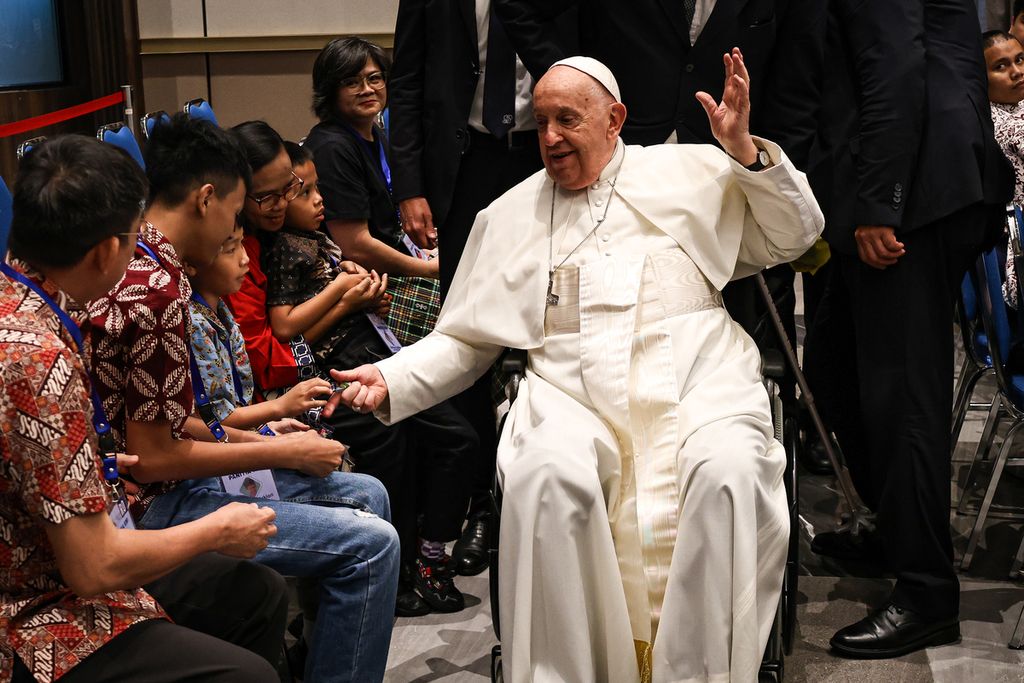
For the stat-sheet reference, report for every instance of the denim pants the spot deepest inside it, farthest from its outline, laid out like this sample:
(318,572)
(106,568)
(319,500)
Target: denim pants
(336,530)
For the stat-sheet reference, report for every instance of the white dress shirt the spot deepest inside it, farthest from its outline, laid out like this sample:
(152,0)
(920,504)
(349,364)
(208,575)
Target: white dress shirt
(524,82)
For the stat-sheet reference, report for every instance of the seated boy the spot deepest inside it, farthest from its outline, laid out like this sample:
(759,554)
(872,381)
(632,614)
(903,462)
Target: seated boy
(332,526)
(66,610)
(302,266)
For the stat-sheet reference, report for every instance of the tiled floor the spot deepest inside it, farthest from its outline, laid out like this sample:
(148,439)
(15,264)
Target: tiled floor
(456,648)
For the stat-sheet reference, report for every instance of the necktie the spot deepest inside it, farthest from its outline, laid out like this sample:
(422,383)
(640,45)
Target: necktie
(499,112)
(690,8)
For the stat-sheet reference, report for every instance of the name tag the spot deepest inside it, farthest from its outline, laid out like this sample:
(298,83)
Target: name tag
(255,484)
(413,249)
(385,333)
(121,516)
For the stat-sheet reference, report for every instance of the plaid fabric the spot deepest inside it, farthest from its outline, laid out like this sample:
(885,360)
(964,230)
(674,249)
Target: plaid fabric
(414,307)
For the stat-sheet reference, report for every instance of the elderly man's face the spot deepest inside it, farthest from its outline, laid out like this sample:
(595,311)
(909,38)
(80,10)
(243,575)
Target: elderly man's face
(578,123)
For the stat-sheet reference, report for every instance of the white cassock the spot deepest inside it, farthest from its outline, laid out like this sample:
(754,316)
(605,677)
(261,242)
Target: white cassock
(643,492)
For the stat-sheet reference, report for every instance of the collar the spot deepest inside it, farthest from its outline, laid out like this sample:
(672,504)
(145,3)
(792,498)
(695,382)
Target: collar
(611,169)
(59,296)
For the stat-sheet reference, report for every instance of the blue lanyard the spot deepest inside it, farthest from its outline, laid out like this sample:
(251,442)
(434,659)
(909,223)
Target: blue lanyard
(99,417)
(235,376)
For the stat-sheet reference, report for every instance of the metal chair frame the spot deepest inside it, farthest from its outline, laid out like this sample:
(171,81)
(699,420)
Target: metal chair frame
(26,146)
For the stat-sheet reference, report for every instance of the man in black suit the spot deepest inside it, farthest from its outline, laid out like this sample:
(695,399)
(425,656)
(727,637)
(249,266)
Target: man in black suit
(912,185)
(462,133)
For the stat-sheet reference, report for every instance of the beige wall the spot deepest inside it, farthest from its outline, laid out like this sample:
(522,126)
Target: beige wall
(271,85)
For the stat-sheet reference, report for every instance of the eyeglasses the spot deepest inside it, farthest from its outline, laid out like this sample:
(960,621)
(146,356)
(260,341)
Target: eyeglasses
(354,84)
(291,191)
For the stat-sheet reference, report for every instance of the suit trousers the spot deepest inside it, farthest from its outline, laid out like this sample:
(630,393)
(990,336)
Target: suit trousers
(488,169)
(880,362)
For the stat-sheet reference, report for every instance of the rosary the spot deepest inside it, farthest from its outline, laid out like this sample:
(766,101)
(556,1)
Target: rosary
(552,298)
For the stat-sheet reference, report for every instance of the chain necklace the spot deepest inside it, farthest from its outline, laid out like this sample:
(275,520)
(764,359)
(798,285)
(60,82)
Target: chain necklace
(552,298)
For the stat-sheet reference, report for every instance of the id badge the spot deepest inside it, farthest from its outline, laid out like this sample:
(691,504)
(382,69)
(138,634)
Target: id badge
(255,484)
(121,515)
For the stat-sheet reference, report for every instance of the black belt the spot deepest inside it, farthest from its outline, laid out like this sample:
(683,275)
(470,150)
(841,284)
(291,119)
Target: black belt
(524,139)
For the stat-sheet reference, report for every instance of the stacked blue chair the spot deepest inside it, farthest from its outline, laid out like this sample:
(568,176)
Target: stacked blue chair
(200,109)
(6,214)
(152,120)
(120,135)
(26,147)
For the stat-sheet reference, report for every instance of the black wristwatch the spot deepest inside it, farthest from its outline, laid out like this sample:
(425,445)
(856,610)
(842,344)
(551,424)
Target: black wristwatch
(762,161)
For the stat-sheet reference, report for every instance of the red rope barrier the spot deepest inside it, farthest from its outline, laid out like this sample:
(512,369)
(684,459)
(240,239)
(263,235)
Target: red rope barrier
(25,125)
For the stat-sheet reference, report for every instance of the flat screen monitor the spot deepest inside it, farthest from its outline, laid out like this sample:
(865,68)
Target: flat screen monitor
(30,45)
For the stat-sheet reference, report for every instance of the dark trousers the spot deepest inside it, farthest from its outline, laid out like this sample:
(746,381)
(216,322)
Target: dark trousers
(488,169)
(229,626)
(424,462)
(880,357)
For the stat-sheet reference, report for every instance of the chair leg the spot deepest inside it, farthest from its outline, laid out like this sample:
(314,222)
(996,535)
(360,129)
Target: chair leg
(990,492)
(961,377)
(963,404)
(1017,639)
(1018,561)
(981,452)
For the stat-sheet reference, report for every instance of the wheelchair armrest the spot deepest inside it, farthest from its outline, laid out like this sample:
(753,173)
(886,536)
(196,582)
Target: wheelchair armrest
(773,365)
(514,362)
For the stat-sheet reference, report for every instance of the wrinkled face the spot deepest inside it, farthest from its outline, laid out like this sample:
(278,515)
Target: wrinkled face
(271,184)
(358,100)
(1005,64)
(224,276)
(306,212)
(577,126)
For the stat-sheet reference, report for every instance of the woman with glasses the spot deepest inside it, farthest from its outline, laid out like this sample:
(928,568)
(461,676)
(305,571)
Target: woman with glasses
(351,155)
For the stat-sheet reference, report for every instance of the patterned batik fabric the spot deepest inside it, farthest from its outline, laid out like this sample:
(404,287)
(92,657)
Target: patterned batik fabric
(217,344)
(1008,122)
(140,346)
(50,474)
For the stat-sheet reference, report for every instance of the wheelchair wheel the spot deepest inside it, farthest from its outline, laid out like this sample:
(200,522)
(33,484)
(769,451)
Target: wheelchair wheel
(496,674)
(791,442)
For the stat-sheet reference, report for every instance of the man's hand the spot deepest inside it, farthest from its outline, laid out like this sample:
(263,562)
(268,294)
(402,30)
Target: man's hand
(418,222)
(245,528)
(311,453)
(365,389)
(877,245)
(124,465)
(730,120)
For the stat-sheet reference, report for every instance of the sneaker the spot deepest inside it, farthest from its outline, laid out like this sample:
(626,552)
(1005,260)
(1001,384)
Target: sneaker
(408,603)
(434,582)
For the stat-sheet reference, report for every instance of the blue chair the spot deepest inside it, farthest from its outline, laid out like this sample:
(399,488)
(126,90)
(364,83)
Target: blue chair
(26,147)
(152,120)
(1009,400)
(6,213)
(120,135)
(200,109)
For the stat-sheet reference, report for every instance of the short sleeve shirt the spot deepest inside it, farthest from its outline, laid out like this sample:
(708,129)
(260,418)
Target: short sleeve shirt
(49,473)
(351,180)
(140,344)
(219,350)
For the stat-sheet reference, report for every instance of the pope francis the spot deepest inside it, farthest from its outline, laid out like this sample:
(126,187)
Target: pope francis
(644,529)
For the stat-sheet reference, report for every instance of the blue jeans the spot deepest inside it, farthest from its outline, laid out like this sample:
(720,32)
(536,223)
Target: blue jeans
(336,530)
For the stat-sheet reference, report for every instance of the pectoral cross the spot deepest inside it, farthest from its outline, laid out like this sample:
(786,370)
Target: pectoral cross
(552,298)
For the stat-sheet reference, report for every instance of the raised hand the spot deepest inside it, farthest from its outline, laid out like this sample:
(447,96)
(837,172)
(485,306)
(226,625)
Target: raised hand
(363,390)
(730,118)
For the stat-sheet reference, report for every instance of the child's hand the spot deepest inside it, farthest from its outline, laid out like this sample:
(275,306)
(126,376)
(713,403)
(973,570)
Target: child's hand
(288,425)
(366,292)
(352,268)
(312,393)
(384,305)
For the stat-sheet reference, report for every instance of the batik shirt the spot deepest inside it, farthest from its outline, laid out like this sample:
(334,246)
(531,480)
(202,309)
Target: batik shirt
(49,473)
(140,346)
(217,344)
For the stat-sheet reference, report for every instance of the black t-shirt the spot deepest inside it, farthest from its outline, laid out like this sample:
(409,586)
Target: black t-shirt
(352,181)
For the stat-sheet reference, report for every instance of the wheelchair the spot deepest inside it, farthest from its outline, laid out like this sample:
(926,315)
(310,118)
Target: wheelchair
(780,640)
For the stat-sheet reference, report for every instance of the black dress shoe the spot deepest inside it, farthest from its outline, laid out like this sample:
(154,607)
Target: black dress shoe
(469,556)
(409,603)
(866,546)
(892,632)
(813,456)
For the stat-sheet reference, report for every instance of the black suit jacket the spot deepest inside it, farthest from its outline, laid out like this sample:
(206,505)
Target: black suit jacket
(906,133)
(646,45)
(431,86)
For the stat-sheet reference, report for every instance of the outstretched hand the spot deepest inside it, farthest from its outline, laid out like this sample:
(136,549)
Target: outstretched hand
(363,390)
(730,118)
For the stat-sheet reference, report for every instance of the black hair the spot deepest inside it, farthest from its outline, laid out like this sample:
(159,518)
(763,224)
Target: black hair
(990,38)
(259,141)
(71,193)
(297,153)
(340,59)
(1018,7)
(186,153)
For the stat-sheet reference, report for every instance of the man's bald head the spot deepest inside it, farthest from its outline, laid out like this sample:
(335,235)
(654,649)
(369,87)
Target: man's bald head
(578,121)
